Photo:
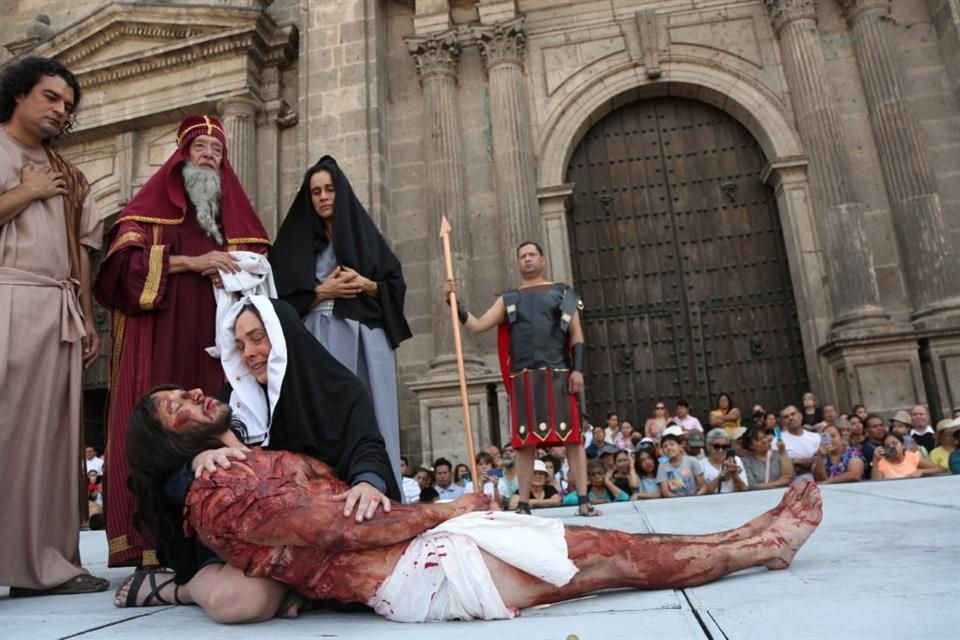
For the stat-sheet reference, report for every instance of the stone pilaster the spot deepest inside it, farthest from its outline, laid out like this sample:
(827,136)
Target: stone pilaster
(437,57)
(928,265)
(502,47)
(846,251)
(946,20)
(239,116)
(554,206)
(271,201)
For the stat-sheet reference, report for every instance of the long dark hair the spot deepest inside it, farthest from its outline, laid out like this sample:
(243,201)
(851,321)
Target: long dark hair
(20,78)
(638,462)
(153,454)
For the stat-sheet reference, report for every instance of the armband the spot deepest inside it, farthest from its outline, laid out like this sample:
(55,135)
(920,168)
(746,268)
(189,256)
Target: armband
(577,364)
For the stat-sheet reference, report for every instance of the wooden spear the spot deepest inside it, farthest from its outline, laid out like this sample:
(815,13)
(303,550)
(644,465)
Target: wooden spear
(445,230)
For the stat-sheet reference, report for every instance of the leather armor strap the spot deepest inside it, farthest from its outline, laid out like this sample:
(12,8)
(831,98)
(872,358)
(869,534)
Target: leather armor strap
(577,353)
(511,297)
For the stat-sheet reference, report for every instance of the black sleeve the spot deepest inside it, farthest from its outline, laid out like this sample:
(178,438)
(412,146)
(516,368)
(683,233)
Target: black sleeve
(326,411)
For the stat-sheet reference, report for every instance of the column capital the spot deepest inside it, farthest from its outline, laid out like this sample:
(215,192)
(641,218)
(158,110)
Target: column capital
(239,106)
(853,9)
(437,54)
(785,171)
(503,42)
(783,12)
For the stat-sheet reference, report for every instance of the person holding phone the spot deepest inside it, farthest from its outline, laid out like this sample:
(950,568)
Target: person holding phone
(461,475)
(801,444)
(892,461)
(766,467)
(493,486)
(836,461)
(723,470)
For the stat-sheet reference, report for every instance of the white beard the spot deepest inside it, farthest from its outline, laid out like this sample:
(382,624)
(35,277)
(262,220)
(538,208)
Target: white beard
(203,189)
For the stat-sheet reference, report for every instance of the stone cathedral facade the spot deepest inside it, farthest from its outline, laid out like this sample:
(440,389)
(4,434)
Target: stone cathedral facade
(753,196)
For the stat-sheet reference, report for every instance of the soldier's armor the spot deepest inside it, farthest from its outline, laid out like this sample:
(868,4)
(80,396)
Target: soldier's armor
(542,410)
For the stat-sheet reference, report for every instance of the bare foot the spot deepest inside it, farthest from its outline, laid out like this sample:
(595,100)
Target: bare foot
(797,521)
(762,522)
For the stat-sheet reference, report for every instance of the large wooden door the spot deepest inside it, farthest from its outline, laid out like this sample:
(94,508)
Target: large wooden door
(679,257)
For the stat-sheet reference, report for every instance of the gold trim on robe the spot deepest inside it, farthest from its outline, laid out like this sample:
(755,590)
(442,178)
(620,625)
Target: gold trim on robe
(151,288)
(232,242)
(118,544)
(150,220)
(124,239)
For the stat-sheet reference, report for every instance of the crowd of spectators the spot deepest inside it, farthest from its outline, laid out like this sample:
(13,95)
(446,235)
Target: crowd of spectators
(673,455)
(94,480)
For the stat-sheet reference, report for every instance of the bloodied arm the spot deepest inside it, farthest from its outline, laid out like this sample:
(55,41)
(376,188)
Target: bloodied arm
(283,499)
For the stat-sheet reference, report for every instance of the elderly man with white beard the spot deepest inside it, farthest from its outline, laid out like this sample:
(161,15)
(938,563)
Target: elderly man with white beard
(165,251)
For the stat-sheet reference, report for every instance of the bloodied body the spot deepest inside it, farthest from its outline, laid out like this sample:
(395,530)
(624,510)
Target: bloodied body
(273,515)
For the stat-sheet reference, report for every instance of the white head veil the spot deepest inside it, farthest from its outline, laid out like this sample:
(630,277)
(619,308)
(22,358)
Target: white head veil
(249,403)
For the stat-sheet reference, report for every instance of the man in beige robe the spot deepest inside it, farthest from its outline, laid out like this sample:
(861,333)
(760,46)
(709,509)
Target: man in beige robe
(47,224)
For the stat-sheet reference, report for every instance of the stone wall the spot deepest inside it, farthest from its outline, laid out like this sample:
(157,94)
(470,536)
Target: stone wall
(354,92)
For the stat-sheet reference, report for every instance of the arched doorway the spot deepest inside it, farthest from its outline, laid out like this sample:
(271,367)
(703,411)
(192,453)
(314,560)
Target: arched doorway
(678,254)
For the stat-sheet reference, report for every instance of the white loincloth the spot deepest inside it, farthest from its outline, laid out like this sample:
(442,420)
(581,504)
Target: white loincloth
(442,575)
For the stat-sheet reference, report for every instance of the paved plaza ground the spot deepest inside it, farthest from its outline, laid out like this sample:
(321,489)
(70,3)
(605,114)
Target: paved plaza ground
(884,564)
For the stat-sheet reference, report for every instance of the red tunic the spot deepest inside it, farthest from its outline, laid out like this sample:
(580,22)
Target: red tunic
(161,323)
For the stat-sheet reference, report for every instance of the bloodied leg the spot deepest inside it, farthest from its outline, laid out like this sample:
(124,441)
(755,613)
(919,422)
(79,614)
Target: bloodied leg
(610,559)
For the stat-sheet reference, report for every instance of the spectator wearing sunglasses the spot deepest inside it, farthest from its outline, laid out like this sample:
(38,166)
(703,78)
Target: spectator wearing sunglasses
(723,472)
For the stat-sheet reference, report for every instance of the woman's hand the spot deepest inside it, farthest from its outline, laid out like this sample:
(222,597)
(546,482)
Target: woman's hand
(730,468)
(366,498)
(367,286)
(211,459)
(339,284)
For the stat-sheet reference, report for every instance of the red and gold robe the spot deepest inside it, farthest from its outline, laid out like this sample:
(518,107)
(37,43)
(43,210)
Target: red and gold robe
(162,322)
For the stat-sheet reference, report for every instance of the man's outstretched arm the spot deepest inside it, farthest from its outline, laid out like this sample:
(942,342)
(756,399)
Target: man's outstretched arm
(491,318)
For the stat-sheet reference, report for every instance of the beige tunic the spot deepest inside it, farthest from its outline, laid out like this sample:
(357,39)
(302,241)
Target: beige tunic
(40,384)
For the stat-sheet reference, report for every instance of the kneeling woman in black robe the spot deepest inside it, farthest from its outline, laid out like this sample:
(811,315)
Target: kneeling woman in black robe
(290,393)
(286,392)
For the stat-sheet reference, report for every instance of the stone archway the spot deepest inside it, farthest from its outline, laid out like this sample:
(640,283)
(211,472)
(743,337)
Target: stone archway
(679,256)
(762,113)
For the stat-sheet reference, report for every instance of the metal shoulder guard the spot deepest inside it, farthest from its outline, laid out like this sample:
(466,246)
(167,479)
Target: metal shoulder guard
(511,297)
(570,304)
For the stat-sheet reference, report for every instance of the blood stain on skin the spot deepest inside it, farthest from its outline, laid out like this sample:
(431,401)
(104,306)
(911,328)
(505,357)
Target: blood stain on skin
(183,416)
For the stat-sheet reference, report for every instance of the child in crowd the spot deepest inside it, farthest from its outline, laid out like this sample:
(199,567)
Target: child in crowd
(680,475)
(646,464)
(602,489)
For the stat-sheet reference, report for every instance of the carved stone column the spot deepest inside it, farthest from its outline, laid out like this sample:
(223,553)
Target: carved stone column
(929,267)
(240,121)
(502,46)
(437,57)
(853,285)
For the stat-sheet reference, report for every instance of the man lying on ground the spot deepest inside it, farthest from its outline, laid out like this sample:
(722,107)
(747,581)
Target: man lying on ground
(273,514)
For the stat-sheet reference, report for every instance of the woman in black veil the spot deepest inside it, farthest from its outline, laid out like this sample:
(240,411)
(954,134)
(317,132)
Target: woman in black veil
(332,264)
